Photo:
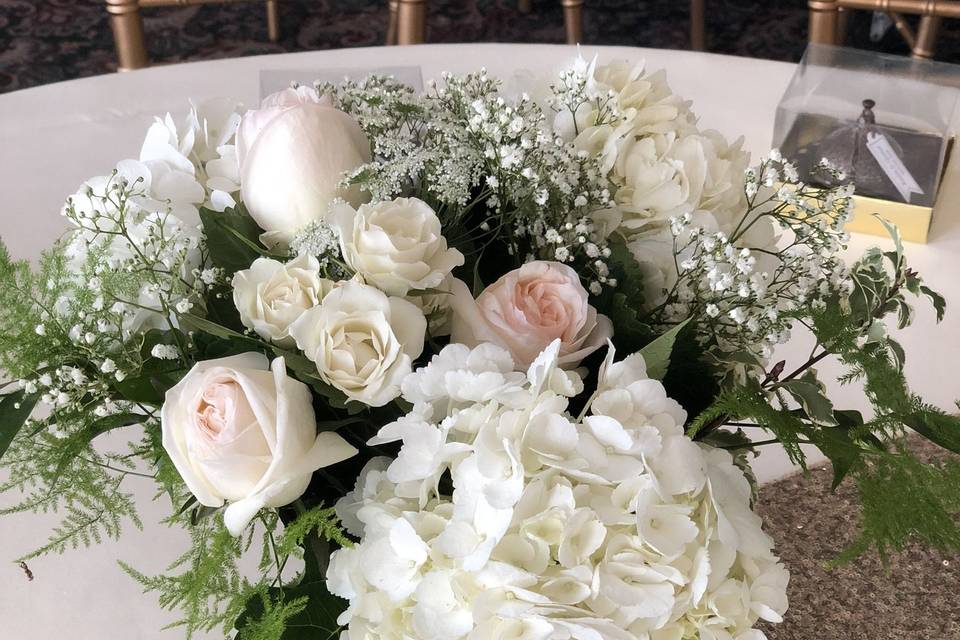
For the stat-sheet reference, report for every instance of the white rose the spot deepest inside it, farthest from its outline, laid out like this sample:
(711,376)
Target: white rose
(362,341)
(395,245)
(239,430)
(271,295)
(293,153)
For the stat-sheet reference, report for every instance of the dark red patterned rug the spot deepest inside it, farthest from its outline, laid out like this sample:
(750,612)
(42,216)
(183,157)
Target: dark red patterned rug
(45,41)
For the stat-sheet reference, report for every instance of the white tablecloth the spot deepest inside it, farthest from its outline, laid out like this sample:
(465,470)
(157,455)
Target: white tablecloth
(54,137)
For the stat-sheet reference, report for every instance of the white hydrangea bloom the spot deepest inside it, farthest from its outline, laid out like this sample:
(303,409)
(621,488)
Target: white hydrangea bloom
(613,526)
(195,164)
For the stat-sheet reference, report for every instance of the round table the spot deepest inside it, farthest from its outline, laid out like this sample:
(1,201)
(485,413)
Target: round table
(54,137)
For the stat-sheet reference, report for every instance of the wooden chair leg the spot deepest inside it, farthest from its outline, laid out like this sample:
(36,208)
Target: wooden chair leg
(273,20)
(573,20)
(411,21)
(926,44)
(823,21)
(698,25)
(392,23)
(127,26)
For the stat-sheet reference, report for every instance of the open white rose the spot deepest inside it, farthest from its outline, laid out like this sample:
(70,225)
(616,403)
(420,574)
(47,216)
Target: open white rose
(239,430)
(363,341)
(396,245)
(271,295)
(526,310)
(293,153)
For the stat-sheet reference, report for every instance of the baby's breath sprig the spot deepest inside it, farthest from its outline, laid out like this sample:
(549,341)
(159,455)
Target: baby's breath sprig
(750,291)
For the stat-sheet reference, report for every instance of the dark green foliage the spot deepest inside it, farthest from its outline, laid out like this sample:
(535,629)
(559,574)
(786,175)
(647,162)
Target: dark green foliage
(233,238)
(15,408)
(937,427)
(657,353)
(307,609)
(691,379)
(624,304)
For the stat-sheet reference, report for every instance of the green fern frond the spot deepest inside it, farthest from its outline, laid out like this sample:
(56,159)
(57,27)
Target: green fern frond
(321,519)
(206,586)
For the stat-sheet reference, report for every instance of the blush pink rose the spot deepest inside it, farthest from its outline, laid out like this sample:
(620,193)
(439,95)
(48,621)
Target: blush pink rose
(527,309)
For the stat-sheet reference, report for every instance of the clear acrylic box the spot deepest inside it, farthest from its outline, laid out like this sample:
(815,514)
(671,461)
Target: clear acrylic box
(887,121)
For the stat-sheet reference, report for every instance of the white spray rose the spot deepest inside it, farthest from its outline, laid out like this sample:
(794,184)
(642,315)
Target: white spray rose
(293,153)
(363,341)
(239,430)
(271,295)
(396,245)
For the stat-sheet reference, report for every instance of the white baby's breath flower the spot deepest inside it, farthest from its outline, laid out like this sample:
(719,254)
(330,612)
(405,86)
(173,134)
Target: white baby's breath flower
(165,352)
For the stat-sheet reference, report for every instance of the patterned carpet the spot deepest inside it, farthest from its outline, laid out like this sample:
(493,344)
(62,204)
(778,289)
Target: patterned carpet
(50,40)
(913,598)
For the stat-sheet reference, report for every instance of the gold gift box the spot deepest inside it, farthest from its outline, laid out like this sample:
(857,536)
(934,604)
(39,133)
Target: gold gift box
(913,220)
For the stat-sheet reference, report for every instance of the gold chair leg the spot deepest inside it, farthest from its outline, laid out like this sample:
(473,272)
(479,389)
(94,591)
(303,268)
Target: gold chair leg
(392,23)
(573,20)
(823,21)
(127,26)
(698,25)
(926,37)
(843,19)
(273,20)
(411,21)
(524,6)
(906,31)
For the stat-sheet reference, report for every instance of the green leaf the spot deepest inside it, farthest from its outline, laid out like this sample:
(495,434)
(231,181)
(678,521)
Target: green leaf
(151,386)
(78,442)
(899,355)
(233,238)
(115,421)
(839,447)
(808,392)
(939,428)
(15,408)
(939,304)
(897,255)
(657,353)
(196,323)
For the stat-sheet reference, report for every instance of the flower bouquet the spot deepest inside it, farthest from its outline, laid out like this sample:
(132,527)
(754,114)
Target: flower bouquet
(476,363)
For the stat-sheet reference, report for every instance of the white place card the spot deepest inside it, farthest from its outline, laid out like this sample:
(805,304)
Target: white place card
(892,165)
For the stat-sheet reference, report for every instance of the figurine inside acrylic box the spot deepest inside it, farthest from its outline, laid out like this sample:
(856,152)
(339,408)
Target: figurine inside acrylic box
(886,121)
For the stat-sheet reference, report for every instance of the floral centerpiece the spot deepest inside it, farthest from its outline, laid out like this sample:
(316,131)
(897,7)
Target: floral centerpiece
(468,363)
